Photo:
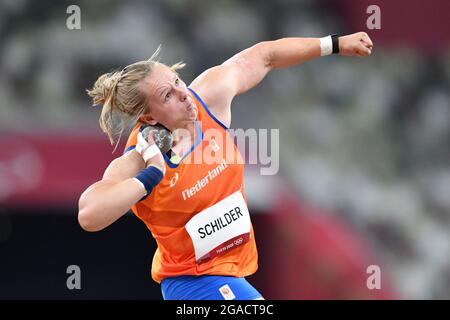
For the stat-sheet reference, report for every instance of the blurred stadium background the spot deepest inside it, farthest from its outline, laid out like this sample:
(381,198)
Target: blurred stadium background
(364,145)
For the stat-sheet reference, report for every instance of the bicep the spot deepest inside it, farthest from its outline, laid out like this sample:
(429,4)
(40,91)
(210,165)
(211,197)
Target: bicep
(120,169)
(248,68)
(220,84)
(124,167)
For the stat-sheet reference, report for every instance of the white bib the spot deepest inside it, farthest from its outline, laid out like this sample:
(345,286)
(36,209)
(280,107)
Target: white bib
(220,228)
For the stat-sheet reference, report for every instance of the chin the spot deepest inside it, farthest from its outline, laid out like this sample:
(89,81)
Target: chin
(193,115)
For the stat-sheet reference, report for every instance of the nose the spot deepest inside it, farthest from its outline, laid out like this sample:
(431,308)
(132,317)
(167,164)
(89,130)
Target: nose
(182,94)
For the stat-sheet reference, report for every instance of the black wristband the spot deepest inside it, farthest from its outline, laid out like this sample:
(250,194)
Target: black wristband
(335,41)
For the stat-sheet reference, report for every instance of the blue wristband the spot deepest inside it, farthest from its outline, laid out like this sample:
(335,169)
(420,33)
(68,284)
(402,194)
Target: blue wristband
(149,177)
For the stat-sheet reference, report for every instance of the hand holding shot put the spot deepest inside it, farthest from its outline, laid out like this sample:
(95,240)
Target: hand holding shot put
(151,151)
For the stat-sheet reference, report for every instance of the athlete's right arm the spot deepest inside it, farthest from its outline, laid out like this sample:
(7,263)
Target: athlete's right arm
(110,198)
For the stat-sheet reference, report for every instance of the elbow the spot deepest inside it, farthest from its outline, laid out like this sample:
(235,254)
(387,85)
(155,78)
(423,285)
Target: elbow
(266,53)
(87,217)
(87,221)
(87,214)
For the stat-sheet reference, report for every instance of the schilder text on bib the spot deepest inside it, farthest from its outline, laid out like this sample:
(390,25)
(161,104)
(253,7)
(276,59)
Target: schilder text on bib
(220,228)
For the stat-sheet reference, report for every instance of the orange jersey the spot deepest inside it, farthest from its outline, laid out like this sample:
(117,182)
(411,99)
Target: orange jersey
(198,213)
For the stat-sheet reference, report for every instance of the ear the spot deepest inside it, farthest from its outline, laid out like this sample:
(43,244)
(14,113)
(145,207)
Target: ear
(148,119)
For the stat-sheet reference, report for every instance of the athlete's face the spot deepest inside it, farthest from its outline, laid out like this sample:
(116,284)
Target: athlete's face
(169,100)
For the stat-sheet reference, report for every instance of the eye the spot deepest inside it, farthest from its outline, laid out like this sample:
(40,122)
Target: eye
(167,97)
(177,81)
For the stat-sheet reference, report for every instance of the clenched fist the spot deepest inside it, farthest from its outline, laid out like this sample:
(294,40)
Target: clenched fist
(356,44)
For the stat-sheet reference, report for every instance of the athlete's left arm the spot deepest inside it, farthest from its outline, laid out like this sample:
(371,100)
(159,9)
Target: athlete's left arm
(220,84)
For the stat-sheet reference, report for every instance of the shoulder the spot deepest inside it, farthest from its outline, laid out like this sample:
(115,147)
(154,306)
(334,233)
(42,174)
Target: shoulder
(215,87)
(132,138)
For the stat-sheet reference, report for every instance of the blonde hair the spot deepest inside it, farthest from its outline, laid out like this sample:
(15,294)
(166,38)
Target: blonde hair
(120,94)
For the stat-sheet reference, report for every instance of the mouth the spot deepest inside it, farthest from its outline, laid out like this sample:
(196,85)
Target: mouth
(191,106)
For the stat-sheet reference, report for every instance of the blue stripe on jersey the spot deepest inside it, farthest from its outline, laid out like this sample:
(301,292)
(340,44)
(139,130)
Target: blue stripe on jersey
(207,110)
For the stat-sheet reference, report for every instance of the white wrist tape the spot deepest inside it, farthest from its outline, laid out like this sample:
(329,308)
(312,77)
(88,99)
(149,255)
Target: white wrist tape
(150,152)
(146,150)
(326,46)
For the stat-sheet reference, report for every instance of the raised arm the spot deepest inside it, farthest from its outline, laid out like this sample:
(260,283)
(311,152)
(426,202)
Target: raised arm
(110,198)
(220,84)
(120,188)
